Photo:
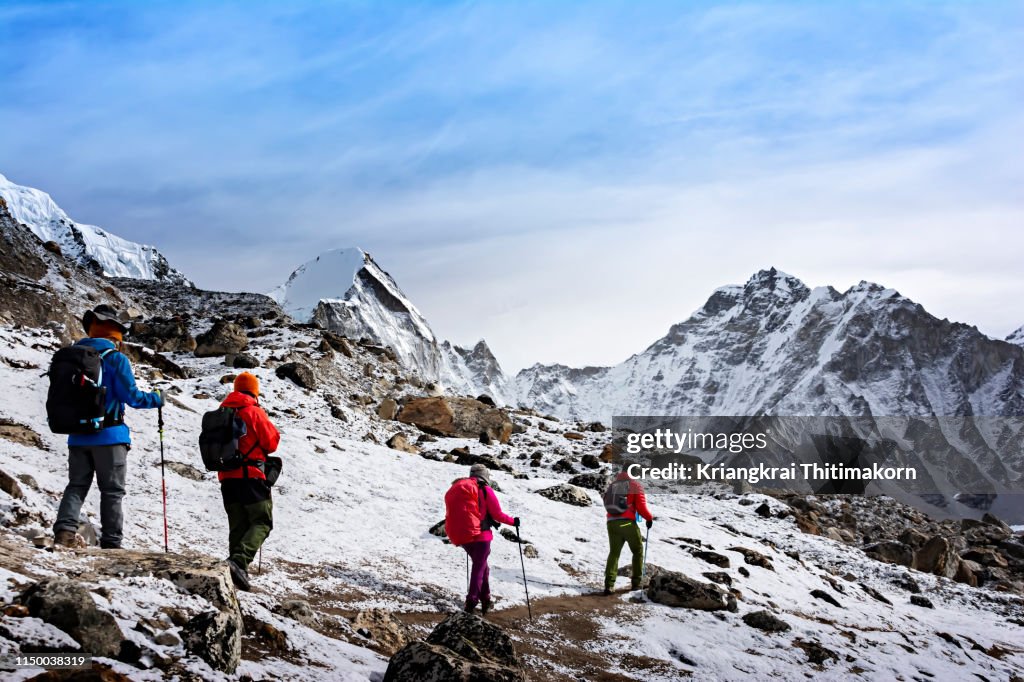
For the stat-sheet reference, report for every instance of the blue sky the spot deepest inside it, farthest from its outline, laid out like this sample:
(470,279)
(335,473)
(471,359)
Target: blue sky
(565,179)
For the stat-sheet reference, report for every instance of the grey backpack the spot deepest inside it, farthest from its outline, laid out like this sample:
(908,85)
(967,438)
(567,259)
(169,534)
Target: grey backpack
(616,497)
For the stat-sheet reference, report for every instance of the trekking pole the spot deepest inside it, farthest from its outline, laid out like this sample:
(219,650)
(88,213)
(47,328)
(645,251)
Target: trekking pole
(163,478)
(259,566)
(467,572)
(519,542)
(647,545)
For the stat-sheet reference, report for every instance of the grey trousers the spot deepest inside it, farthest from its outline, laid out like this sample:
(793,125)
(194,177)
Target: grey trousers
(108,463)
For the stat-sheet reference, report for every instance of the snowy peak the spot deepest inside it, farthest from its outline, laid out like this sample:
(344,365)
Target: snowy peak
(1017,337)
(90,246)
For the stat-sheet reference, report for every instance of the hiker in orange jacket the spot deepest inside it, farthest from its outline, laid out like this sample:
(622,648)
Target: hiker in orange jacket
(471,510)
(245,491)
(625,503)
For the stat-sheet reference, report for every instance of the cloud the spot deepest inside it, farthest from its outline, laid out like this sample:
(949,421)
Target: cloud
(539,173)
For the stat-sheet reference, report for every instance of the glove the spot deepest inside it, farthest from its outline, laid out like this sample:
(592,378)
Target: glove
(515,522)
(160,397)
(650,523)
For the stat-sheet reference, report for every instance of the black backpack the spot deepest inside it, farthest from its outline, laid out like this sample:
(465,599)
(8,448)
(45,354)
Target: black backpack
(76,400)
(218,441)
(616,497)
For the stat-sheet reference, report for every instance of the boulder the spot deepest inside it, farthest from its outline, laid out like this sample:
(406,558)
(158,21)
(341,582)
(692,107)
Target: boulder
(913,538)
(590,461)
(937,556)
(387,409)
(165,335)
(825,597)
(923,602)
(563,466)
(298,610)
(763,620)
(610,453)
(569,494)
(386,632)
(216,637)
(754,558)
(462,647)
(891,552)
(710,557)
(185,470)
(298,373)
(222,338)
(572,435)
(401,443)
(68,606)
(592,480)
(244,361)
(457,417)
(675,589)
(9,485)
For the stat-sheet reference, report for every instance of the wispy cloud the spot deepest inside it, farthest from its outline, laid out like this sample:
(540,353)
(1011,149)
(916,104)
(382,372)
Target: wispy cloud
(537,172)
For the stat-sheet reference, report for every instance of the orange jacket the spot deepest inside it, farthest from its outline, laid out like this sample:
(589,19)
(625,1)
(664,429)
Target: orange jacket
(260,435)
(636,499)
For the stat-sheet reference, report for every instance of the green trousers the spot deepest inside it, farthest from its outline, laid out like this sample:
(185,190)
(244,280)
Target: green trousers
(248,526)
(620,532)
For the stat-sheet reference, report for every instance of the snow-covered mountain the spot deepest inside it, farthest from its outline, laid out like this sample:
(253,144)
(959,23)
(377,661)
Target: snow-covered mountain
(774,346)
(1017,337)
(92,247)
(345,291)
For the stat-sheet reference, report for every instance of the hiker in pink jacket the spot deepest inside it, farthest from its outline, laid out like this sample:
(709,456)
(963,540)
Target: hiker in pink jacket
(471,510)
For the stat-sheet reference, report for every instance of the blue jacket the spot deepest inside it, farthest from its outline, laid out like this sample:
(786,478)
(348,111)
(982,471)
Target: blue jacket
(121,390)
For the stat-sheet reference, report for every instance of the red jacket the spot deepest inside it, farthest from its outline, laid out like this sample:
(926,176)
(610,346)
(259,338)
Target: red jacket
(635,499)
(259,432)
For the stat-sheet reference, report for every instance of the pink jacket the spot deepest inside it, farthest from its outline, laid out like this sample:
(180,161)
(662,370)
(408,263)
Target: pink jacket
(495,512)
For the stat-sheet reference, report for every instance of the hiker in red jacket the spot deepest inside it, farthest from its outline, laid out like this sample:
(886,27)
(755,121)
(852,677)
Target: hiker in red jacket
(244,490)
(625,503)
(471,510)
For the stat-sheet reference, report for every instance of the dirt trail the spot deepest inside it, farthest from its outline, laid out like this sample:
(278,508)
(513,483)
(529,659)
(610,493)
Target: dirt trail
(564,635)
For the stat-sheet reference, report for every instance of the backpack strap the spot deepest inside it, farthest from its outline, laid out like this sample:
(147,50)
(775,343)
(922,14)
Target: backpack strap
(109,419)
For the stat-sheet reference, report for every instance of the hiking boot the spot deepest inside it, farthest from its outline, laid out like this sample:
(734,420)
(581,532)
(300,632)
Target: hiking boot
(634,586)
(239,576)
(68,538)
(470,606)
(485,606)
(607,591)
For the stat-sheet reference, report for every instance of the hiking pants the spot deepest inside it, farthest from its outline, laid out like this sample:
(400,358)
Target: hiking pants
(250,517)
(479,584)
(624,531)
(108,463)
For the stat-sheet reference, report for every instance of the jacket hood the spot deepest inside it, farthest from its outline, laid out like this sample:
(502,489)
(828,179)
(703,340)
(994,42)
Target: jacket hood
(99,344)
(236,399)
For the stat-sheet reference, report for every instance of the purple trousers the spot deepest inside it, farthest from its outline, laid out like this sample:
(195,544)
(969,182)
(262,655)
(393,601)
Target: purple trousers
(479,587)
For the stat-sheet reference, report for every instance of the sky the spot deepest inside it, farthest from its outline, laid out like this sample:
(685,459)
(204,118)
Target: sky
(564,179)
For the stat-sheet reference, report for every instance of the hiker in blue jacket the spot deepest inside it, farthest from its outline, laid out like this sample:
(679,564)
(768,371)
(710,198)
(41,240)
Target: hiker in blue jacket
(104,453)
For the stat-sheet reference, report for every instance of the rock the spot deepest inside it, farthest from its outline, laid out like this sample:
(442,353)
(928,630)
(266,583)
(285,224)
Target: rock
(510,535)
(591,480)
(937,556)
(610,453)
(590,462)
(457,417)
(816,653)
(572,435)
(675,589)
(167,638)
(833,533)
(338,343)
(339,413)
(228,378)
(569,494)
(763,620)
(298,372)
(530,552)
(763,510)
(967,572)
(165,335)
(462,647)
(401,443)
(222,338)
(216,638)
(913,538)
(563,466)
(710,557)
(9,485)
(924,602)
(244,361)
(754,558)
(387,409)
(720,577)
(439,530)
(741,487)
(21,434)
(298,610)
(388,634)
(908,584)
(214,635)
(68,606)
(985,556)
(891,552)
(486,400)
(992,520)
(596,427)
(875,594)
(185,470)
(825,597)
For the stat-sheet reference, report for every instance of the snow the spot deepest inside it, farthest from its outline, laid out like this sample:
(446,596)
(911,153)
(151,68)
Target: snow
(351,521)
(329,276)
(88,244)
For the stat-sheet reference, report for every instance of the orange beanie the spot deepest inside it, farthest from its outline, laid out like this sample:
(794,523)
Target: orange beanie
(247,383)
(104,329)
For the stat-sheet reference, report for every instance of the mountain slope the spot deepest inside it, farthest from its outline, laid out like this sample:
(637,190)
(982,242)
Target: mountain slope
(1017,337)
(774,346)
(90,246)
(345,291)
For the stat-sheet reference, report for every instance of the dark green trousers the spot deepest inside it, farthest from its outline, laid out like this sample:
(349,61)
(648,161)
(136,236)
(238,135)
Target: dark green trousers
(250,518)
(624,532)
